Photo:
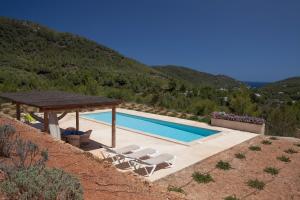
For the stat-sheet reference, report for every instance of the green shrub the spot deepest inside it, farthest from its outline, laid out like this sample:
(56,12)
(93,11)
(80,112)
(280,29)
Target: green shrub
(266,142)
(194,118)
(297,144)
(256,184)
(27,178)
(255,148)
(42,183)
(273,138)
(282,121)
(271,170)
(240,156)
(291,151)
(223,165)
(28,154)
(205,120)
(284,158)
(203,107)
(7,134)
(176,189)
(231,198)
(202,177)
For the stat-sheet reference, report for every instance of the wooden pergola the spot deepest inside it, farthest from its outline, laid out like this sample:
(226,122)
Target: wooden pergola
(58,101)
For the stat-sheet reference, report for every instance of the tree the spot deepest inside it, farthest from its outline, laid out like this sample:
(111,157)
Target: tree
(203,107)
(172,85)
(282,121)
(240,103)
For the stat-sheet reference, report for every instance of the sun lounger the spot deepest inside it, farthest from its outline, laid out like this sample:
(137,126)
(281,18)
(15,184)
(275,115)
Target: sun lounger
(112,153)
(153,162)
(137,155)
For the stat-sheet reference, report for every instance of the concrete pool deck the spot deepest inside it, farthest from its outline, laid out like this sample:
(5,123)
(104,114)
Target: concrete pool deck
(186,154)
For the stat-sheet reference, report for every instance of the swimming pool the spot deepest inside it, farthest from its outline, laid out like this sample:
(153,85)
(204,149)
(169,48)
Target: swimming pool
(165,129)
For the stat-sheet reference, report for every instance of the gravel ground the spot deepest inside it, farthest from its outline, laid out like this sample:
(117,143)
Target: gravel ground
(285,185)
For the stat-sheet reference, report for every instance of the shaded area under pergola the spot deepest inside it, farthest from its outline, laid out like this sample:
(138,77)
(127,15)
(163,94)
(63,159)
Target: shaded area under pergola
(58,101)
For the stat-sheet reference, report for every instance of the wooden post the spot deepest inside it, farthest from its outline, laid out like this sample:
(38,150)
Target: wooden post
(46,121)
(77,120)
(18,111)
(113,127)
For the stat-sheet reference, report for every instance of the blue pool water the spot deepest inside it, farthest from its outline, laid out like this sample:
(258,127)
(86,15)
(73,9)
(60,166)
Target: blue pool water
(179,132)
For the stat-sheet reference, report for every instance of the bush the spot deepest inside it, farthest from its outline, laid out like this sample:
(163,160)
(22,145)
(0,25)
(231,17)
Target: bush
(203,107)
(240,156)
(42,183)
(7,134)
(223,165)
(291,151)
(205,120)
(273,138)
(202,177)
(271,170)
(255,148)
(231,198)
(282,121)
(26,176)
(176,189)
(28,154)
(284,159)
(256,184)
(297,144)
(266,142)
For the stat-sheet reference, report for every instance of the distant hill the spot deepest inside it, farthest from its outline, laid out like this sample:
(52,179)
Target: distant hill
(288,88)
(198,78)
(33,56)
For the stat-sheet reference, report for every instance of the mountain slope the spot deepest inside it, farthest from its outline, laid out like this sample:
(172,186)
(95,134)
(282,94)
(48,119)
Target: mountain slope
(29,41)
(35,57)
(287,88)
(195,77)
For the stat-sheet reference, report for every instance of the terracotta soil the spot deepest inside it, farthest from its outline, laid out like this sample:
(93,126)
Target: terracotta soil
(285,185)
(99,179)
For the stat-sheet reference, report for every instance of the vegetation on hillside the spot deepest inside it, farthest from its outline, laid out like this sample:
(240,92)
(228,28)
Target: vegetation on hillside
(193,77)
(24,171)
(287,90)
(34,57)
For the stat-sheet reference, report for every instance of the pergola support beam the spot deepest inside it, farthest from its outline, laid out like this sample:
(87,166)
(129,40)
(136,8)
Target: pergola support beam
(46,121)
(113,127)
(77,120)
(18,111)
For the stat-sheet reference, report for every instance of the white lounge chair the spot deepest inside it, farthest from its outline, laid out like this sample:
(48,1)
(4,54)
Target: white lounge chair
(153,162)
(137,155)
(114,153)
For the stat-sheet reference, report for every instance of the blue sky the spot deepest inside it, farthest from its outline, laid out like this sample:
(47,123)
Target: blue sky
(254,40)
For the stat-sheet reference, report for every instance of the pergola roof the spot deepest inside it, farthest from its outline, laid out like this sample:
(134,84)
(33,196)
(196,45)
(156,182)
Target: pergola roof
(58,100)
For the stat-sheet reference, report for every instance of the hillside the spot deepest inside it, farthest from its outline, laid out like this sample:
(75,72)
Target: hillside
(35,57)
(288,89)
(198,78)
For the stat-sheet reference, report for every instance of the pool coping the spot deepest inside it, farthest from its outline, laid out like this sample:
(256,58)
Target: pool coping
(197,141)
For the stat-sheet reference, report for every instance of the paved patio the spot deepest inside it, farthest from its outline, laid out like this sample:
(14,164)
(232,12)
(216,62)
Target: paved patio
(186,154)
